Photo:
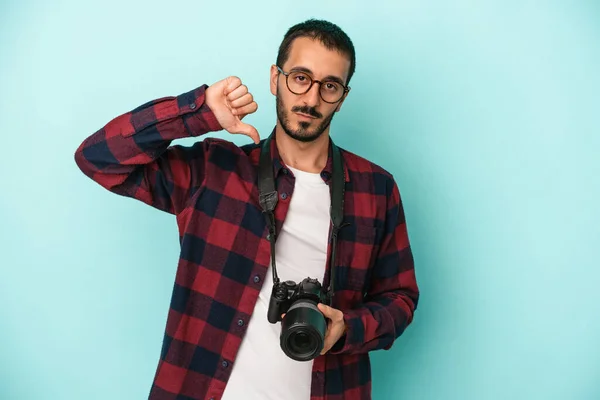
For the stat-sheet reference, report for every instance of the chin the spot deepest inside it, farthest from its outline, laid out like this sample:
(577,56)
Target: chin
(302,135)
(304,125)
(300,129)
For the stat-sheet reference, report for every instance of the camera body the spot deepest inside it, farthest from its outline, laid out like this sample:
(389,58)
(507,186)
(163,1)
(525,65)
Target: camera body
(286,293)
(303,327)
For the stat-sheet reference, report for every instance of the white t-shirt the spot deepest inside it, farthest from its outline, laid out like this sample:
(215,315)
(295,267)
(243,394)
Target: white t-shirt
(261,370)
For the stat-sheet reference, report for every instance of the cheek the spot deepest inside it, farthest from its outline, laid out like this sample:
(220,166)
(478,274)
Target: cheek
(286,101)
(331,110)
(282,104)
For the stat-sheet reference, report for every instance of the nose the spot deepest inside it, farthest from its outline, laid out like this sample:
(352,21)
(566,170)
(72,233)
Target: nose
(313,97)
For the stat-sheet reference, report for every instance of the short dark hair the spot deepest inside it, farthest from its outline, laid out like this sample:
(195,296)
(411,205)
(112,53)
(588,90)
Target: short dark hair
(328,33)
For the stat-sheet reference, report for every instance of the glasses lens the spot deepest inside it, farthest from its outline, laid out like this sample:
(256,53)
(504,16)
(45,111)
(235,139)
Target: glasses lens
(298,82)
(331,91)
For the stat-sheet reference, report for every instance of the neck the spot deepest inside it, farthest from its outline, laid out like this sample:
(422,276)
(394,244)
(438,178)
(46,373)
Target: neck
(309,157)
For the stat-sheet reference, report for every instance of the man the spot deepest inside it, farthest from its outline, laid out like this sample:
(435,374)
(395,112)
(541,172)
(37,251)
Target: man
(218,343)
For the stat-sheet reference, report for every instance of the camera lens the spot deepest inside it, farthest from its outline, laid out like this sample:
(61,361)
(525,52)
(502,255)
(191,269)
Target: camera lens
(301,341)
(303,331)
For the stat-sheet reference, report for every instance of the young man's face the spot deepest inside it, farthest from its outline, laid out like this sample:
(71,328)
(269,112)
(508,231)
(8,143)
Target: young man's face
(306,117)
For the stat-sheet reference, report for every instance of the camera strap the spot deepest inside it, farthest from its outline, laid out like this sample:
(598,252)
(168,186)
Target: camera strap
(268,200)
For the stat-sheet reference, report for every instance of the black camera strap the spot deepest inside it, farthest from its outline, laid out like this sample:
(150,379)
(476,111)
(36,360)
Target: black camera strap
(268,200)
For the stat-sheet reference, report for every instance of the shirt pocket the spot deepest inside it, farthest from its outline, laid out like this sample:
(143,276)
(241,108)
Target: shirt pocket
(357,250)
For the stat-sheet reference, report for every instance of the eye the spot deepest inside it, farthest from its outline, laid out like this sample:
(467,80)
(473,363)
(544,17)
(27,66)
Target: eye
(332,86)
(300,78)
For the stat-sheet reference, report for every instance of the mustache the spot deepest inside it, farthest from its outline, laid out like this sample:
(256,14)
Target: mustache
(308,111)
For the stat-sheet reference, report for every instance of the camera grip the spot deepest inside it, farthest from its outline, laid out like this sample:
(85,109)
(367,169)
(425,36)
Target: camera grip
(274,311)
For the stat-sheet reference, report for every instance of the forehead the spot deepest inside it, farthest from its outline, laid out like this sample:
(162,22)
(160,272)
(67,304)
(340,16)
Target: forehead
(312,54)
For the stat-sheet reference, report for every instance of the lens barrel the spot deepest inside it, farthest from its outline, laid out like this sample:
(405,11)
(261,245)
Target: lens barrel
(303,331)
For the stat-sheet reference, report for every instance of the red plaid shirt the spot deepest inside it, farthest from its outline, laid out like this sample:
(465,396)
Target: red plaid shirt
(211,188)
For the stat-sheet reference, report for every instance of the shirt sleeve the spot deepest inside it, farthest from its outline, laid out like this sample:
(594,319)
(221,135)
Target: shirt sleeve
(132,154)
(393,296)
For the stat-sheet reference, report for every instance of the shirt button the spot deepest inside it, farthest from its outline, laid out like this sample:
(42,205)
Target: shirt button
(224,364)
(240,322)
(256,278)
(285,171)
(193,106)
(284,196)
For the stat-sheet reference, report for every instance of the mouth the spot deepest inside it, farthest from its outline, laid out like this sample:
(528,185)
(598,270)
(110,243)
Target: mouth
(305,116)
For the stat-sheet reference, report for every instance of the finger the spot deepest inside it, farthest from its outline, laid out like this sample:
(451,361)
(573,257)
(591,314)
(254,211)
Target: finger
(245,110)
(327,338)
(326,343)
(237,92)
(231,83)
(242,101)
(331,313)
(325,309)
(250,131)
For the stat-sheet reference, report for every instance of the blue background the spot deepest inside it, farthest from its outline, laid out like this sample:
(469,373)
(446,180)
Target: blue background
(487,115)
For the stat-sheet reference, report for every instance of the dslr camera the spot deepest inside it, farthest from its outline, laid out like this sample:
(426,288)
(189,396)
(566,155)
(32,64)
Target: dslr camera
(303,327)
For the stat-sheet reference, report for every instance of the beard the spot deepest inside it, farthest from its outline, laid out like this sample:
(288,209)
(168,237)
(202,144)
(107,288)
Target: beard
(303,133)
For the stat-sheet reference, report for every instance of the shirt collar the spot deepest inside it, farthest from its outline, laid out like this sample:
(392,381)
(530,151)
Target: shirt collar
(326,172)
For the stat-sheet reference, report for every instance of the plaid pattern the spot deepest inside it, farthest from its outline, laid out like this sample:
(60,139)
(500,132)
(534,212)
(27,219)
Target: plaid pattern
(211,188)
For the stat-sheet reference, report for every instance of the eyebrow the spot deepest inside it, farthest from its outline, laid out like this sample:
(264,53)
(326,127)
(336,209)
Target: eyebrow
(327,78)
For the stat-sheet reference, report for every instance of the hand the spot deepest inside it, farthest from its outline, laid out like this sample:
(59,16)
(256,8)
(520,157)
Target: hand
(336,327)
(230,101)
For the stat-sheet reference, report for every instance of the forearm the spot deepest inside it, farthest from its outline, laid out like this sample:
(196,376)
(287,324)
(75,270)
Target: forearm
(393,292)
(377,323)
(141,136)
(130,155)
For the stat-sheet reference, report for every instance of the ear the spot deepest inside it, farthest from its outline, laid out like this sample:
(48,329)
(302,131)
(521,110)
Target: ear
(273,81)
(339,106)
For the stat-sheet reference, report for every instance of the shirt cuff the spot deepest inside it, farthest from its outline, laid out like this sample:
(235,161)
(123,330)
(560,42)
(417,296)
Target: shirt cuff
(198,116)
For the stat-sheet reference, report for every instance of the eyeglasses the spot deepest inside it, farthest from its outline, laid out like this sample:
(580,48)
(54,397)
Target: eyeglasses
(300,82)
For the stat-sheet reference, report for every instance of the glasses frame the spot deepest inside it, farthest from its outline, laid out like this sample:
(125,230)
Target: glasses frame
(312,82)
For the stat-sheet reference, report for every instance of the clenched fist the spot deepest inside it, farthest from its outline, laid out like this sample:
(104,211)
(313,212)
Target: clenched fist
(230,101)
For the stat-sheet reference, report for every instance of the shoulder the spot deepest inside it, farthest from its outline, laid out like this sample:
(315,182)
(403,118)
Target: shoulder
(377,191)
(364,172)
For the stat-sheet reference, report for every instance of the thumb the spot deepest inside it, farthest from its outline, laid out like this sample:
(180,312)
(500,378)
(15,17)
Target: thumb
(250,131)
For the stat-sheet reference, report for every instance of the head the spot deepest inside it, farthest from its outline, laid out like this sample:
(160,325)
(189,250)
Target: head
(311,50)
